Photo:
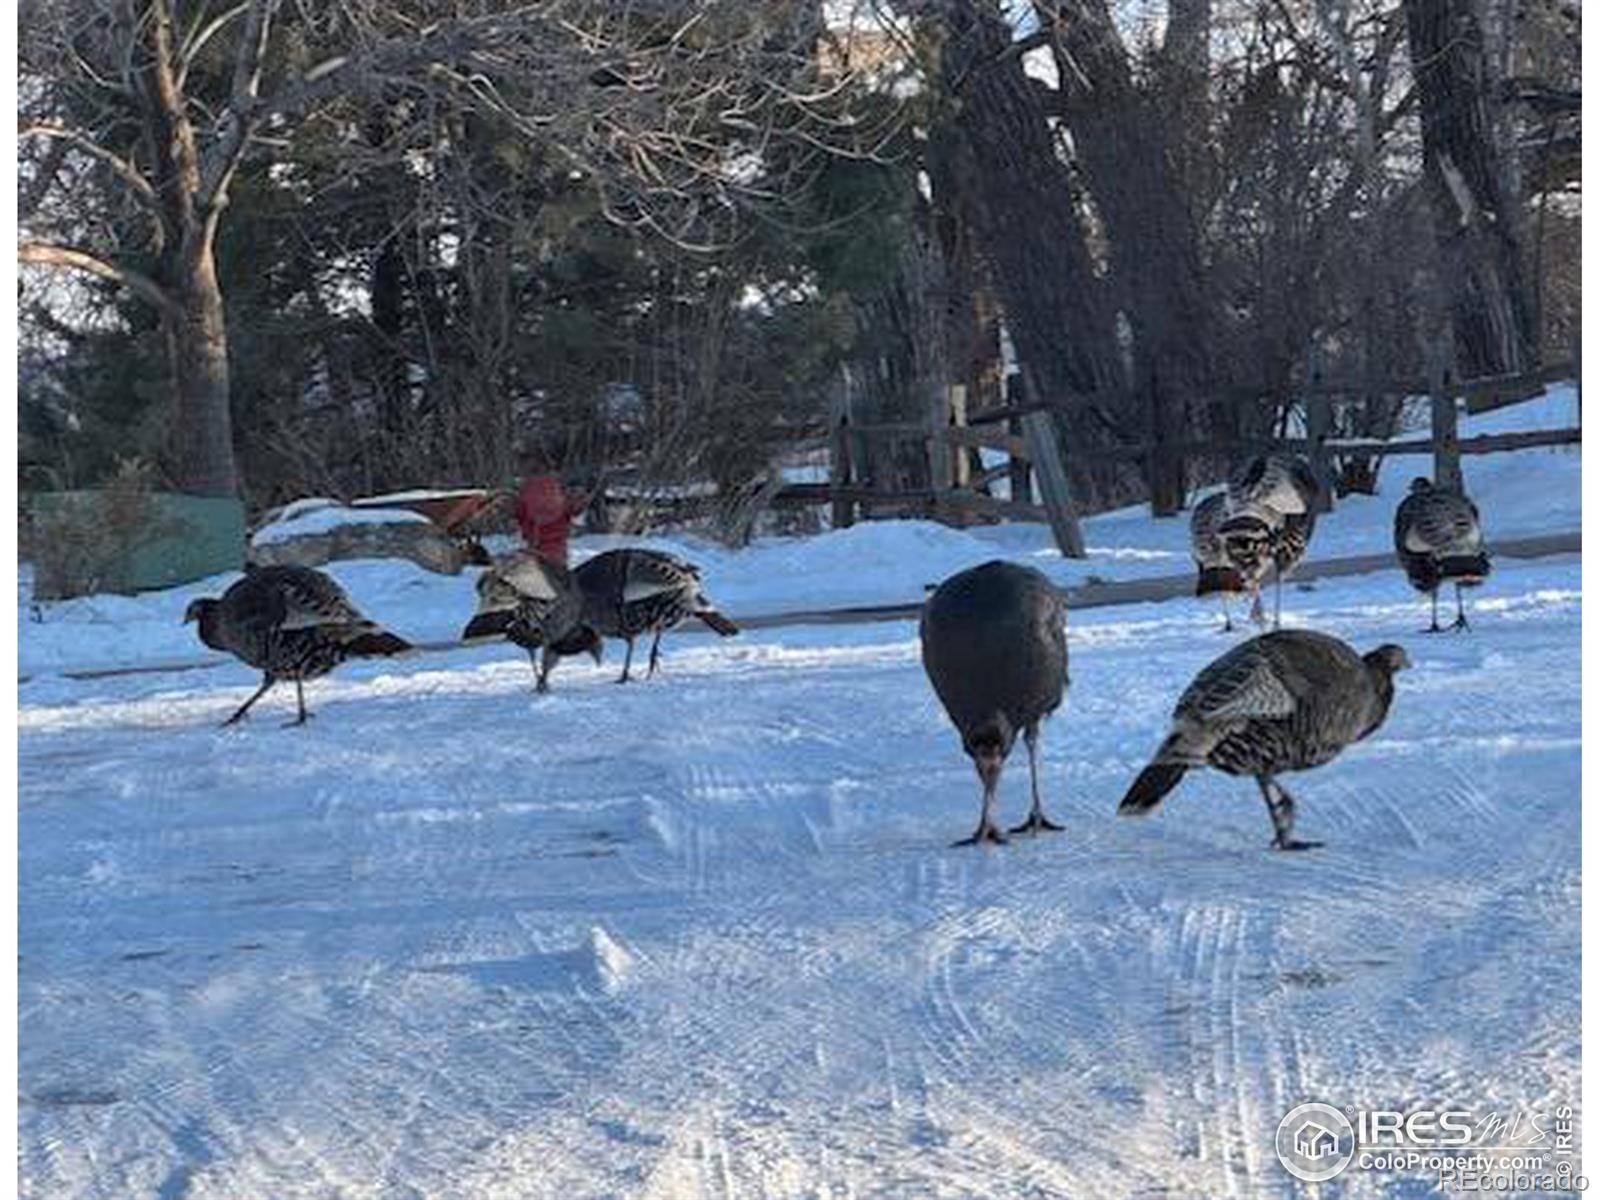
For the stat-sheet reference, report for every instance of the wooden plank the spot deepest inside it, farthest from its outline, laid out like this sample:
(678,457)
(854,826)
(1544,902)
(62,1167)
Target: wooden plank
(1483,443)
(839,472)
(1039,431)
(1487,387)
(992,439)
(1488,443)
(842,467)
(961,468)
(801,494)
(1502,391)
(1419,386)
(941,457)
(1489,399)
(989,475)
(923,500)
(1022,407)
(1018,396)
(1009,412)
(1319,419)
(1020,473)
(977,502)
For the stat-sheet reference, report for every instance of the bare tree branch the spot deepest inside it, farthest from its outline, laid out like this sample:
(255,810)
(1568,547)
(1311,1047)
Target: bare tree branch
(240,117)
(44,254)
(197,40)
(121,167)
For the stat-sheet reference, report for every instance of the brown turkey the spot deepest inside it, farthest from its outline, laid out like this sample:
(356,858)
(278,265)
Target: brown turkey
(634,591)
(1439,539)
(1271,515)
(291,623)
(1217,574)
(1285,701)
(533,603)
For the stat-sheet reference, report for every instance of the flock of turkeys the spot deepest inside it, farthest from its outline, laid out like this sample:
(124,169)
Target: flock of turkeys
(994,640)
(295,623)
(994,647)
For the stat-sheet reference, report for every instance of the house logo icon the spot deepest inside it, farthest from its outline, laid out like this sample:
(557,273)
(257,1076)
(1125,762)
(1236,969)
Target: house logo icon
(1315,1142)
(1312,1141)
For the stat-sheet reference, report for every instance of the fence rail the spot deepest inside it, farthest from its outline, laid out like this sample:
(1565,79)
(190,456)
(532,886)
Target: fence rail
(1488,443)
(1024,429)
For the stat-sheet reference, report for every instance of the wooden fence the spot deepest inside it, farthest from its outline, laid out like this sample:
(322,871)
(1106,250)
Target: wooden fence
(1026,434)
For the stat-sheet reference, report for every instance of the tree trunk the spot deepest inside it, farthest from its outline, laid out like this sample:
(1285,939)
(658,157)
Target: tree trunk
(994,154)
(1476,219)
(197,350)
(196,329)
(1127,151)
(995,142)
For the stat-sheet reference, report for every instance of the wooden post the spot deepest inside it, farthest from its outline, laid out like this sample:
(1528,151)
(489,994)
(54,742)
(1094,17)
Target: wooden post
(961,464)
(1577,374)
(1446,448)
(1319,419)
(1015,392)
(840,469)
(941,455)
(1039,429)
(839,473)
(1319,422)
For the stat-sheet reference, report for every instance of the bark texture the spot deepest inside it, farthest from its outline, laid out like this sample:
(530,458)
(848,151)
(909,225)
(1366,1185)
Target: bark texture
(1476,221)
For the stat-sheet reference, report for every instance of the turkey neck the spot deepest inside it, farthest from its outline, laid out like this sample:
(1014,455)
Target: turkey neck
(210,629)
(1383,686)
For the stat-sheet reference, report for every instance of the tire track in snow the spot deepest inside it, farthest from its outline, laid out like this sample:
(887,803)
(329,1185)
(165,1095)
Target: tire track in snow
(968,1029)
(822,997)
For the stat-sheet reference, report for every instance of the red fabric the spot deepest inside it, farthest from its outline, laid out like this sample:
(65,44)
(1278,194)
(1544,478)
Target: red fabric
(544,514)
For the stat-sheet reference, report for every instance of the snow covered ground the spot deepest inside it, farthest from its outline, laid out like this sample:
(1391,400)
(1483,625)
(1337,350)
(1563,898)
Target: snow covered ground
(705,936)
(880,562)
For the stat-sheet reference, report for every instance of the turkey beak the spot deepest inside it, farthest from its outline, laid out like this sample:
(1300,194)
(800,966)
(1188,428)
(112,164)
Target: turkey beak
(595,652)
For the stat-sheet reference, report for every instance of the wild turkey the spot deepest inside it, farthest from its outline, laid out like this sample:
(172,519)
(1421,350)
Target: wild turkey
(290,622)
(634,591)
(994,645)
(532,603)
(1284,701)
(1218,575)
(1438,539)
(1271,514)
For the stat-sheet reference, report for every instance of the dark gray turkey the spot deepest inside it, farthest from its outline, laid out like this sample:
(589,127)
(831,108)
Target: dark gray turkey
(533,603)
(290,623)
(994,644)
(1217,574)
(1271,514)
(1438,538)
(631,592)
(1284,701)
